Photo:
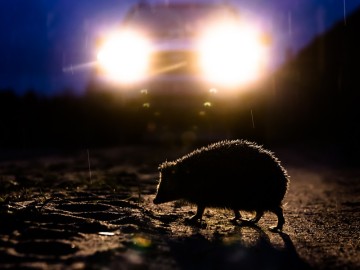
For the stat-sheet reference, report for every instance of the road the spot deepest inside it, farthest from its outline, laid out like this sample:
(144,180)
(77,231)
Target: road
(55,214)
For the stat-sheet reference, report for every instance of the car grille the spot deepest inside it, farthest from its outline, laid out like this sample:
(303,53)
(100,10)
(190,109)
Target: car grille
(174,63)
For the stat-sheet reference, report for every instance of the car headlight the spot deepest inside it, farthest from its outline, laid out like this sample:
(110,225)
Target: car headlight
(124,56)
(231,54)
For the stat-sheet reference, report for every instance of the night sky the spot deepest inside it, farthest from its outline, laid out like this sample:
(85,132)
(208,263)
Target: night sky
(41,38)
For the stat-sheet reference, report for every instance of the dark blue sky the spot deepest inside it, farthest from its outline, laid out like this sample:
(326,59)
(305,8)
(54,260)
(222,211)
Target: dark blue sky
(39,38)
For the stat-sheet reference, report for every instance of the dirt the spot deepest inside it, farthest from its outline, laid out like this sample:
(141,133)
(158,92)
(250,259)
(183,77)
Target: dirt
(58,212)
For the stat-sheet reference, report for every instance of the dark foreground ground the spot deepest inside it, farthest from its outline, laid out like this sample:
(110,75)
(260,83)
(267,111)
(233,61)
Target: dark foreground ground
(54,214)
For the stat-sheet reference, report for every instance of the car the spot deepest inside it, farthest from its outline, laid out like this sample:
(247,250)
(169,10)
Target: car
(182,50)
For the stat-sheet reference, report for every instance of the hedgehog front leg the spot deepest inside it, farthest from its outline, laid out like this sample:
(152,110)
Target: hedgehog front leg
(281,220)
(199,212)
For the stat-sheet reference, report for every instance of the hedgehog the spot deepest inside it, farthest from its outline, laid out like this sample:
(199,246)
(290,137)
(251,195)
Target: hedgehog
(234,174)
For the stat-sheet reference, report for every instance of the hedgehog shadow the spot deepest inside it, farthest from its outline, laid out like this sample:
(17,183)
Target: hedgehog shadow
(231,252)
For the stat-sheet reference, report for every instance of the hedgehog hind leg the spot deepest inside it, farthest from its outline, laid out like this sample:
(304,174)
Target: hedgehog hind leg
(258,215)
(237,215)
(198,216)
(278,211)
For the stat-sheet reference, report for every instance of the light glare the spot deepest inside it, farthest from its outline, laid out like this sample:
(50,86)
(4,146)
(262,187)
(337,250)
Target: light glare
(231,54)
(124,56)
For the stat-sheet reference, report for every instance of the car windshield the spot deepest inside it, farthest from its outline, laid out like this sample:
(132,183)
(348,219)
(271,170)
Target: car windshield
(175,20)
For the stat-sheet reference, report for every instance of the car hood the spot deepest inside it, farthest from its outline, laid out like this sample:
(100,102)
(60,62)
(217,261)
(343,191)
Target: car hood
(174,45)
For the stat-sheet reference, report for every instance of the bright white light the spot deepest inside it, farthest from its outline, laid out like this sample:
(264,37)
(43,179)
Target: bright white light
(231,54)
(124,56)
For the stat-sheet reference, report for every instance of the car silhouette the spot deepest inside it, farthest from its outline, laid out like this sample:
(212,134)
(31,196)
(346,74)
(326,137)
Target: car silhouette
(181,49)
